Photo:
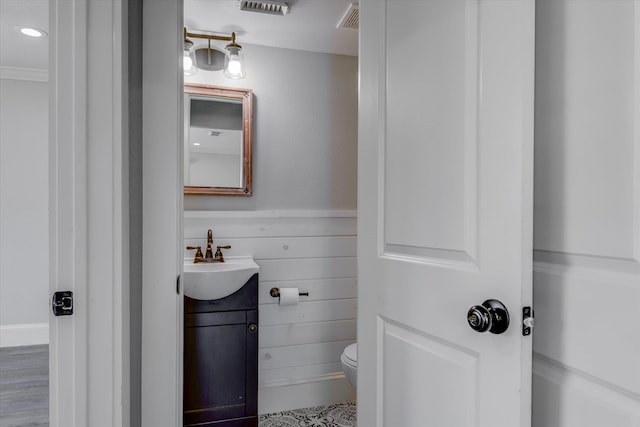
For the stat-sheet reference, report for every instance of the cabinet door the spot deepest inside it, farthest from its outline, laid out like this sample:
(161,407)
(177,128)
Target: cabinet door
(215,366)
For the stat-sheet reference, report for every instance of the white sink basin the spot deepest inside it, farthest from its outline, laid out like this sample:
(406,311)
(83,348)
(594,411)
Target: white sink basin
(207,281)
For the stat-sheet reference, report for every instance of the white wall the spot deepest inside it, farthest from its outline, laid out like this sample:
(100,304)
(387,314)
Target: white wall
(305,130)
(301,226)
(587,214)
(24,235)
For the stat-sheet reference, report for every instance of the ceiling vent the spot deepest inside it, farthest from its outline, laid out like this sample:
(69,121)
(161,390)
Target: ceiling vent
(215,133)
(351,18)
(271,7)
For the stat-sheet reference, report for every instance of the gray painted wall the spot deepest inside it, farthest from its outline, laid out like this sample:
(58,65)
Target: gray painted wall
(305,130)
(24,216)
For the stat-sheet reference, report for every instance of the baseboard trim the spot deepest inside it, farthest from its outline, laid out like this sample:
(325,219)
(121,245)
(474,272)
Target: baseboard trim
(295,381)
(24,334)
(304,393)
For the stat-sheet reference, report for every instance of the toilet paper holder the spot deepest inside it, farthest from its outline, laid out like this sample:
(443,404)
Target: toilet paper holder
(275,292)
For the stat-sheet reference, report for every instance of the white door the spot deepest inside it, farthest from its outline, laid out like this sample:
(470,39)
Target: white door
(445,211)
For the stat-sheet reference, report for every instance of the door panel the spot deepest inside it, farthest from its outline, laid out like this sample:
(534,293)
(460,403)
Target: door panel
(412,359)
(430,119)
(587,214)
(445,210)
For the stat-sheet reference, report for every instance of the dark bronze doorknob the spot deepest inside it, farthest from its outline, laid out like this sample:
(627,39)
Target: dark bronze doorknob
(491,316)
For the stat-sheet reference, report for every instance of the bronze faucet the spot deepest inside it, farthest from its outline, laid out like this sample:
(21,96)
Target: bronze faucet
(209,254)
(208,257)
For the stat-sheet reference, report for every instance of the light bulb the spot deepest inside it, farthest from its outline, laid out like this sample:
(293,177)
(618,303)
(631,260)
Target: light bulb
(234,67)
(32,32)
(187,62)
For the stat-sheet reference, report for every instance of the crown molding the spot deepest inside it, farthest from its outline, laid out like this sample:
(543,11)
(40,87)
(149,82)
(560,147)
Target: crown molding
(30,74)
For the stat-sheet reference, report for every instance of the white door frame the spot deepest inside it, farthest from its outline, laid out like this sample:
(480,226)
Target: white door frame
(67,210)
(162,258)
(89,212)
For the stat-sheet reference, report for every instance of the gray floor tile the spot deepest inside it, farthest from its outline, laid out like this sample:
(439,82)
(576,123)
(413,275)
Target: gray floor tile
(337,415)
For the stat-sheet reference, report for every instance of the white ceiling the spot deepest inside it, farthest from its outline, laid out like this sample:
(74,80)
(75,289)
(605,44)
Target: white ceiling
(17,50)
(310,25)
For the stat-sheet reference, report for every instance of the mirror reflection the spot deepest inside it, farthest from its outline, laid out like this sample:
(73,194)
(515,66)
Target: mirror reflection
(217,141)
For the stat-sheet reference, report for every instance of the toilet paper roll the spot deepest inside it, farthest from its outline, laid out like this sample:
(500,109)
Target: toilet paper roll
(289,296)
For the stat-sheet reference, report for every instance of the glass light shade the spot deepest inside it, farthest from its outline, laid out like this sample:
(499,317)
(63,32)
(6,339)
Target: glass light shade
(189,60)
(234,62)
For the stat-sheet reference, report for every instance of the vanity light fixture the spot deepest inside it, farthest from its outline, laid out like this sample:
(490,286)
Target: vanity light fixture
(206,58)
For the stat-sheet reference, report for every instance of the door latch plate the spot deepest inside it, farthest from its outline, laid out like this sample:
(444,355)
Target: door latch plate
(527,321)
(62,303)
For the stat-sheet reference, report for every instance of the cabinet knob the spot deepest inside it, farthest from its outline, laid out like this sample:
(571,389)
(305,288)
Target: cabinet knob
(253,327)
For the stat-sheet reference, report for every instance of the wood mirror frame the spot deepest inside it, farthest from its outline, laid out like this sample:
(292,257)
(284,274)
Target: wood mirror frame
(246,96)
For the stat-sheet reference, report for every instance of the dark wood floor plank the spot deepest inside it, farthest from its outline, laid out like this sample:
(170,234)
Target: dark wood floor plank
(24,386)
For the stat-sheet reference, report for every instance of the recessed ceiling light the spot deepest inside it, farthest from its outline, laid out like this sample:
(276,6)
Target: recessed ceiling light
(32,32)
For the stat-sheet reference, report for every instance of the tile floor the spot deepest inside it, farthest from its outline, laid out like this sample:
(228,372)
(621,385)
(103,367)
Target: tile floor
(337,415)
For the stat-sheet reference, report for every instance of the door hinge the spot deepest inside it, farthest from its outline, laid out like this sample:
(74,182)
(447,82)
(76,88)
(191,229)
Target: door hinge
(178,285)
(527,321)
(62,303)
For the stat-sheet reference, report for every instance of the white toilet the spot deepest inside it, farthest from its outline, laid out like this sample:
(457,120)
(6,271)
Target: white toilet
(350,363)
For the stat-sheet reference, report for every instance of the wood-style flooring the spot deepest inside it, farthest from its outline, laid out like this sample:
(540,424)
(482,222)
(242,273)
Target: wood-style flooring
(24,386)
(24,396)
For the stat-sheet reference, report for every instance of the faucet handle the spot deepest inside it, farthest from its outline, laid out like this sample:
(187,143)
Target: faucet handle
(218,254)
(198,250)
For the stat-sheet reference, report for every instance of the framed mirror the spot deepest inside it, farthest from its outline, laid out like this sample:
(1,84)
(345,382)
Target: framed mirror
(218,124)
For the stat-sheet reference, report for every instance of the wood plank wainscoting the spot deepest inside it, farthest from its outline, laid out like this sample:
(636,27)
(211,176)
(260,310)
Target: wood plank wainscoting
(299,345)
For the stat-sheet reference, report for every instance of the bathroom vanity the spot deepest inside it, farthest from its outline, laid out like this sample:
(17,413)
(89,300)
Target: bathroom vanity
(221,359)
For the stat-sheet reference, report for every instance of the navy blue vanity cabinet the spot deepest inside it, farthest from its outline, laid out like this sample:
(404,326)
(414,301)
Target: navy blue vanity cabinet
(221,359)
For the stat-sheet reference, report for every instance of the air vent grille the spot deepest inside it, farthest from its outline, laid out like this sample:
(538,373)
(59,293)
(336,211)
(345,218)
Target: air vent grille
(351,18)
(271,7)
